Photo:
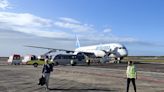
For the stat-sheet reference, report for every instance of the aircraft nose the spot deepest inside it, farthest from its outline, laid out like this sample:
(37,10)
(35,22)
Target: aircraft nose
(123,52)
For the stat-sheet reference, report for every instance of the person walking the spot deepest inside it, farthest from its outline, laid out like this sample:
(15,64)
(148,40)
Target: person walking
(131,75)
(47,69)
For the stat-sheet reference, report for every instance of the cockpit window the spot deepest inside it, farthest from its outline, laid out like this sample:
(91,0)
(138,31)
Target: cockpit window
(121,48)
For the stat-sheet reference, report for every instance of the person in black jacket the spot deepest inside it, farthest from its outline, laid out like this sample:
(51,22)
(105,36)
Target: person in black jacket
(47,69)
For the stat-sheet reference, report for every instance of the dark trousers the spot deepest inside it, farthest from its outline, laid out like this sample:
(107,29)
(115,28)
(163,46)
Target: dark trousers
(128,83)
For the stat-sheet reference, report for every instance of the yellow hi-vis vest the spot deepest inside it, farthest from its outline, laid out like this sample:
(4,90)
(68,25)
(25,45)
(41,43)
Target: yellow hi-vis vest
(131,71)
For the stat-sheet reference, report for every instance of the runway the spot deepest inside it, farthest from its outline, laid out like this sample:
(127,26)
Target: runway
(93,78)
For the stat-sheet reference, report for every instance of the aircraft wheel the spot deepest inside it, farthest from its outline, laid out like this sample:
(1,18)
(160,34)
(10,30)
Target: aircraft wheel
(88,63)
(52,64)
(56,63)
(73,64)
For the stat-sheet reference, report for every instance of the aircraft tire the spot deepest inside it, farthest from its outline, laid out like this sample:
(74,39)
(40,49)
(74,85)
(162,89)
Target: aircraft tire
(52,64)
(73,64)
(56,63)
(88,63)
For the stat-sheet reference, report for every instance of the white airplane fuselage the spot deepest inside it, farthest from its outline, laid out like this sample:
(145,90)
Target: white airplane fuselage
(116,50)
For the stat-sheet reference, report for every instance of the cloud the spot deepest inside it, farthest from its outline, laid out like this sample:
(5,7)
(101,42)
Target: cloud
(109,37)
(62,28)
(107,30)
(4,4)
(24,19)
(147,44)
(70,20)
(35,31)
(29,24)
(72,24)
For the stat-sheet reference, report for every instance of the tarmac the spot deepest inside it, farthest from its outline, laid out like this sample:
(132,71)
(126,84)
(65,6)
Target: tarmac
(94,78)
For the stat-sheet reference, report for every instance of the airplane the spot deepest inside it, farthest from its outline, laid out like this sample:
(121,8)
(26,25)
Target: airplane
(112,50)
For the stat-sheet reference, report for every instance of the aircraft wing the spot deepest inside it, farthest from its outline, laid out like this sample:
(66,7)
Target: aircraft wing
(52,49)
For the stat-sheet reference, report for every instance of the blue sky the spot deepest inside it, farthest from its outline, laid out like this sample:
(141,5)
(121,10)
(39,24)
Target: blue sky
(138,24)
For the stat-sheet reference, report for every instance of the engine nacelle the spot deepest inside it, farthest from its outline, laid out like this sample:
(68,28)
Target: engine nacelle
(99,53)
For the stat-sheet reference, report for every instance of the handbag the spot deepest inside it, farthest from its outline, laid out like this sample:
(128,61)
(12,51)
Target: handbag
(42,80)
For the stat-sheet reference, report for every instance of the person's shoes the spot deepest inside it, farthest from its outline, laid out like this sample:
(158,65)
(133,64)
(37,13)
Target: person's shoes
(47,89)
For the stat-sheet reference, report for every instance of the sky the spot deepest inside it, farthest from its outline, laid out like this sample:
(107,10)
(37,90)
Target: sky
(138,24)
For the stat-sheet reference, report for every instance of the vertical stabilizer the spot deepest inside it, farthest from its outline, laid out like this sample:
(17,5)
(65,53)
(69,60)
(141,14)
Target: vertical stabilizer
(77,42)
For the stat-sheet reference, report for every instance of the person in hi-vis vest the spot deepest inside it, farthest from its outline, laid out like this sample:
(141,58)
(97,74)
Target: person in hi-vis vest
(131,75)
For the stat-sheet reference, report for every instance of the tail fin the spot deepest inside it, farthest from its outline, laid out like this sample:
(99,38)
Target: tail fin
(77,42)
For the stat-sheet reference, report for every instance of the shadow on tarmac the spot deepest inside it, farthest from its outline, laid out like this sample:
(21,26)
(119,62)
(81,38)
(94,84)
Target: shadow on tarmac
(76,90)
